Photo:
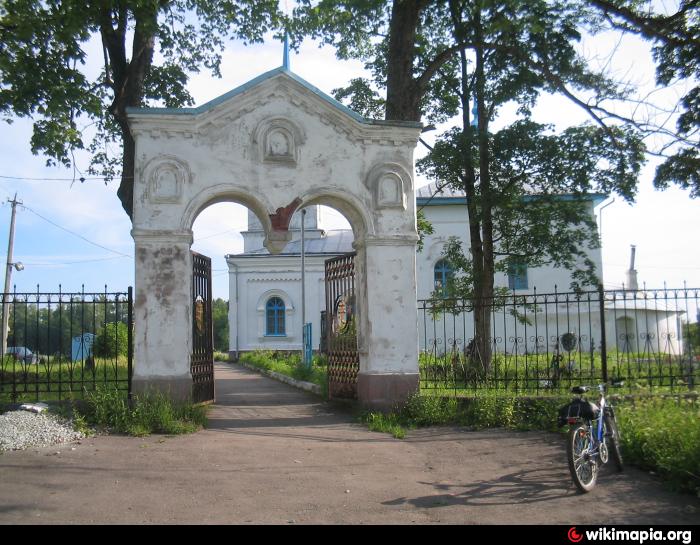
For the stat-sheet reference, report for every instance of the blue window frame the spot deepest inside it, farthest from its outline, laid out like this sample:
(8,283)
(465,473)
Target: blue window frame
(443,273)
(517,275)
(274,317)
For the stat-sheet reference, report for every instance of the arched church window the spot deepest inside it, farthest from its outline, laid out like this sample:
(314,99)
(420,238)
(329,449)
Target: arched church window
(443,274)
(274,317)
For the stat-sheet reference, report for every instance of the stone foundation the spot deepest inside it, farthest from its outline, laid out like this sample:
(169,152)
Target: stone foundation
(179,389)
(385,391)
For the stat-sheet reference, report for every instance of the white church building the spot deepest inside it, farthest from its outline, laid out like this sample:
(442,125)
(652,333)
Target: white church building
(265,290)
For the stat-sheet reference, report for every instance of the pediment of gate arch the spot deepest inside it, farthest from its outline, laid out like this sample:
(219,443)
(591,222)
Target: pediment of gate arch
(230,119)
(294,98)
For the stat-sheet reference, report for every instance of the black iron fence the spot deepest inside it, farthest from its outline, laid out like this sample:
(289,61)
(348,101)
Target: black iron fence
(546,343)
(61,345)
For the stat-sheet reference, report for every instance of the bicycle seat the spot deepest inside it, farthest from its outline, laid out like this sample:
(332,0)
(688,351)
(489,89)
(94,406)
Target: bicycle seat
(579,389)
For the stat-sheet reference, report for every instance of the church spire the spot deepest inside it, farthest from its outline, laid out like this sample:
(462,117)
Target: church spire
(285,54)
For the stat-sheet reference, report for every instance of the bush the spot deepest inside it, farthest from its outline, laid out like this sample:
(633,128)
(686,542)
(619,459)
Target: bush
(663,435)
(112,340)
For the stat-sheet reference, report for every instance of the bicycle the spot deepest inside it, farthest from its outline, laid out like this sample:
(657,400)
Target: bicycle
(593,437)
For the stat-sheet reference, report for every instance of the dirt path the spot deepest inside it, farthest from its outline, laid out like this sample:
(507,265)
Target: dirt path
(275,455)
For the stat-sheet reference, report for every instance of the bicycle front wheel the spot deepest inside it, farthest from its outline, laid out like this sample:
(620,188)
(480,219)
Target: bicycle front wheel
(582,462)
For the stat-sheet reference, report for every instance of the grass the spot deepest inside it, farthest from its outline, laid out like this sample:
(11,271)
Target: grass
(663,435)
(546,374)
(59,379)
(220,356)
(390,423)
(149,413)
(289,365)
(484,411)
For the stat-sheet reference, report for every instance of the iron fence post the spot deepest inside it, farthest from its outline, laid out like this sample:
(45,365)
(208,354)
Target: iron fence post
(603,337)
(130,344)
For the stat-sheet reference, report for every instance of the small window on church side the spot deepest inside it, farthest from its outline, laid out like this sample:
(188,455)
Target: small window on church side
(517,275)
(274,317)
(443,274)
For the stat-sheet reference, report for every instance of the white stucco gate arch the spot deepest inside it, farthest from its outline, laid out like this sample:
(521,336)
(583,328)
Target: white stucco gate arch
(275,144)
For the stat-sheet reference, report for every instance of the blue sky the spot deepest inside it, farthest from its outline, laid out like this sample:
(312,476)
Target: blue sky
(57,213)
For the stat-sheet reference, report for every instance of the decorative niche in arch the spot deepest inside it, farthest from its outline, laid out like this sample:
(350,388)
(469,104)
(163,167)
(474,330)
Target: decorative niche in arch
(278,141)
(166,176)
(388,183)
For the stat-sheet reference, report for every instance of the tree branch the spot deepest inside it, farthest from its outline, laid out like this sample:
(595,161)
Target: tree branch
(434,65)
(661,28)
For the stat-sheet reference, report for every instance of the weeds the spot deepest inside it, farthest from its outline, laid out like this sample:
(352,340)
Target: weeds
(476,413)
(290,365)
(149,413)
(387,423)
(80,424)
(663,435)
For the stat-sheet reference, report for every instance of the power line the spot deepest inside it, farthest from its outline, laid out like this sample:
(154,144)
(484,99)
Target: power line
(77,262)
(75,234)
(72,179)
(216,235)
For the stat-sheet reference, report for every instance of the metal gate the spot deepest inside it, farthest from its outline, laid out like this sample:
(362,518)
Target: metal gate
(202,360)
(341,327)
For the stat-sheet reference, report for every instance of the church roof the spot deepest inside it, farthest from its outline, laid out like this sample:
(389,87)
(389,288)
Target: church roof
(434,194)
(334,242)
(277,72)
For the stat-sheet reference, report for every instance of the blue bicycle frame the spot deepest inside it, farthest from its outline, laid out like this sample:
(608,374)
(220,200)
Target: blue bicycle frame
(587,447)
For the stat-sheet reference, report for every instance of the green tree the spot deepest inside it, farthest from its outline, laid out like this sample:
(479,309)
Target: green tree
(220,319)
(519,181)
(676,38)
(148,49)
(466,55)
(402,42)
(112,340)
(48,323)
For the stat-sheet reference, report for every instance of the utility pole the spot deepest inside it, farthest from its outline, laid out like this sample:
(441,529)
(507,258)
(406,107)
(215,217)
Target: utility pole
(8,275)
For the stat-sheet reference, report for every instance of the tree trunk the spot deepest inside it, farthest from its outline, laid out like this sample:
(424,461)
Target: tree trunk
(126,186)
(483,290)
(478,203)
(127,81)
(403,95)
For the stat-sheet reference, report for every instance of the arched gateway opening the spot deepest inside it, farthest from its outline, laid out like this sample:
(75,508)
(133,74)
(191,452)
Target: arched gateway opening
(276,145)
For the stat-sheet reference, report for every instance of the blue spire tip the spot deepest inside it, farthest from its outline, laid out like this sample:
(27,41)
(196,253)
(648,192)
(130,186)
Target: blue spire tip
(285,55)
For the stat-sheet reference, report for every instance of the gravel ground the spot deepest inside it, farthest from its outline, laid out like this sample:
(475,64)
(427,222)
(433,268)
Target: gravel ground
(23,429)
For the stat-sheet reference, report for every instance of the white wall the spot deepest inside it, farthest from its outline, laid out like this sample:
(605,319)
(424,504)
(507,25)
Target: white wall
(256,279)
(450,220)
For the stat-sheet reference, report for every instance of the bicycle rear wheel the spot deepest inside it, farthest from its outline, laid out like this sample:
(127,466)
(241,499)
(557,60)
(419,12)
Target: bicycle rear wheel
(582,462)
(613,440)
